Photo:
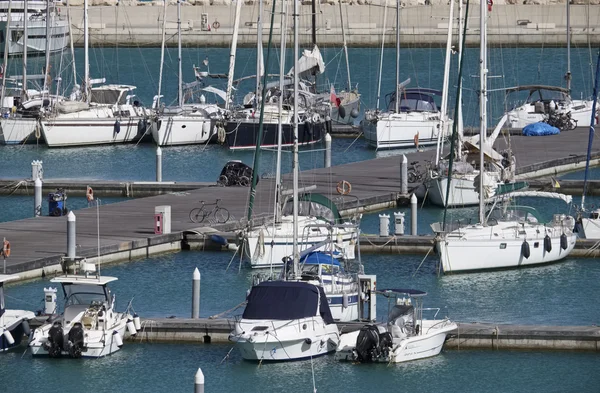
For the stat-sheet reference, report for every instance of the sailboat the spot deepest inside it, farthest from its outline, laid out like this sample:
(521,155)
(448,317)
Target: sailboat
(185,123)
(287,319)
(542,100)
(506,236)
(13,323)
(412,117)
(588,225)
(94,115)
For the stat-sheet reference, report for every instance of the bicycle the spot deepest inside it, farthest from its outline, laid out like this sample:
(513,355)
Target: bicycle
(414,174)
(199,214)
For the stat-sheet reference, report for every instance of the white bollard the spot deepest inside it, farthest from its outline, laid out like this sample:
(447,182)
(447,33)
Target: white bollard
(37,170)
(384,225)
(413,215)
(398,223)
(196,294)
(404,176)
(158,164)
(71,236)
(37,198)
(199,382)
(327,150)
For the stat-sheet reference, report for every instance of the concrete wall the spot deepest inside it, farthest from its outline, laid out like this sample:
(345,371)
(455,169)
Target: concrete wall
(140,25)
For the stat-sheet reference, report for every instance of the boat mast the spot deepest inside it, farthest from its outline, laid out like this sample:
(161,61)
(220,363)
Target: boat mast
(283,28)
(397,55)
(232,51)
(49,20)
(86,58)
(25,32)
(162,53)
(6,49)
(461,25)
(345,46)
(70,43)
(444,106)
(295,253)
(180,81)
(259,52)
(381,56)
(592,131)
(568,74)
(482,101)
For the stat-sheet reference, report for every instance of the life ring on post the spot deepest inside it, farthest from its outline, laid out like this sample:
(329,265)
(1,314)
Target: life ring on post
(343,187)
(216,24)
(89,194)
(6,249)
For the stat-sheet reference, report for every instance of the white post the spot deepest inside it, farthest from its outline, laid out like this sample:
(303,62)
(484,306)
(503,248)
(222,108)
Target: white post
(413,215)
(404,179)
(327,150)
(196,294)
(37,198)
(398,223)
(199,382)
(71,236)
(158,164)
(384,225)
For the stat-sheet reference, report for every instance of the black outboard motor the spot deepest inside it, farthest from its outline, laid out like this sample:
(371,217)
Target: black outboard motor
(385,344)
(75,343)
(367,343)
(56,340)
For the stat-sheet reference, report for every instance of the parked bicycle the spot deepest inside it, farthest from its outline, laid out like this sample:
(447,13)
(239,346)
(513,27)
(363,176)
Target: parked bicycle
(561,120)
(199,214)
(415,174)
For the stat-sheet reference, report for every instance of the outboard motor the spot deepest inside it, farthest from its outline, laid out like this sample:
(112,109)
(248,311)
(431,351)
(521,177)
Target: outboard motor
(75,343)
(367,343)
(56,340)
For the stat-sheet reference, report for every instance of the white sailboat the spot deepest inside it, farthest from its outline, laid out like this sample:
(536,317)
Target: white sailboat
(506,236)
(406,335)
(412,118)
(13,323)
(287,320)
(105,114)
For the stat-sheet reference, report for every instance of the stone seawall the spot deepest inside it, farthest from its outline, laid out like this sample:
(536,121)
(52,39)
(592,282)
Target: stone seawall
(420,25)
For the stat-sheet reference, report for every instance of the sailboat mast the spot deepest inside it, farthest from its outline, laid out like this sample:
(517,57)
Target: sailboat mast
(70,43)
(25,32)
(381,56)
(277,212)
(592,131)
(397,55)
(49,20)
(259,52)
(482,102)
(180,81)
(568,74)
(6,49)
(345,46)
(234,38)
(459,118)
(295,253)
(162,53)
(444,106)
(86,50)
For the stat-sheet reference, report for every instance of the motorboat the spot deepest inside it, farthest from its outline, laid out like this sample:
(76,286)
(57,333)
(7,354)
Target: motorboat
(14,324)
(406,335)
(285,320)
(319,220)
(89,325)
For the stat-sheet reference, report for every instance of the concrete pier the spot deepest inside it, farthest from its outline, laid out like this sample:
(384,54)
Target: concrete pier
(140,24)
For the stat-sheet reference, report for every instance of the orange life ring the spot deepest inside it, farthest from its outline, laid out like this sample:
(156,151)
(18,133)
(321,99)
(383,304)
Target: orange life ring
(6,249)
(89,194)
(343,187)
(216,24)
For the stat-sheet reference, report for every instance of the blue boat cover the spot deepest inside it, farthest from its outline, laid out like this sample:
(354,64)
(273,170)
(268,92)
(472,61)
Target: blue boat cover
(318,257)
(539,129)
(286,300)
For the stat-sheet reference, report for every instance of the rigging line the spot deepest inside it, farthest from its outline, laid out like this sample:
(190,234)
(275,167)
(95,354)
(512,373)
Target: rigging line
(420,264)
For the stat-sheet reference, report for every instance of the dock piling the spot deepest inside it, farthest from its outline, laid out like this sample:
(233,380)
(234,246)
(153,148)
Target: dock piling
(37,198)
(196,294)
(158,164)
(327,150)
(71,236)
(199,381)
(384,225)
(413,215)
(37,170)
(404,175)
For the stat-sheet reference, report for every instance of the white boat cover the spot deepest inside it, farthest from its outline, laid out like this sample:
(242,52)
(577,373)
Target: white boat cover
(71,106)
(538,194)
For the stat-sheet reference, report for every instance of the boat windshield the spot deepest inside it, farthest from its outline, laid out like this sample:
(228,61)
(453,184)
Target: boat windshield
(414,102)
(546,95)
(86,294)
(514,213)
(108,96)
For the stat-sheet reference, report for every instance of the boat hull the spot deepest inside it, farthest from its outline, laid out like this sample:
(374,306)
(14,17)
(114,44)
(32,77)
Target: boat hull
(36,37)
(13,321)
(243,134)
(581,111)
(19,130)
(182,130)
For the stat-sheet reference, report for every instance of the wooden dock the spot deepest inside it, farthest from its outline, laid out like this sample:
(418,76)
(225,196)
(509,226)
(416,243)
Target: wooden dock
(127,228)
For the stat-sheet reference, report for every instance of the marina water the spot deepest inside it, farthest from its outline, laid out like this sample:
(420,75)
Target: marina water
(565,293)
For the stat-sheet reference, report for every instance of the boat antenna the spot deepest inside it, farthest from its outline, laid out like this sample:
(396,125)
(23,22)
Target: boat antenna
(591,137)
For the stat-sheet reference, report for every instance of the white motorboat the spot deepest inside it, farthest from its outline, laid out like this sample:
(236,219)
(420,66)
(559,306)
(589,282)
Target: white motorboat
(589,227)
(14,324)
(39,14)
(285,320)
(89,325)
(406,335)
(319,220)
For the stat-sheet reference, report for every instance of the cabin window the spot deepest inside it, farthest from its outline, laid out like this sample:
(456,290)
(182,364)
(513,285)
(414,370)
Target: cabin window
(536,245)
(502,246)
